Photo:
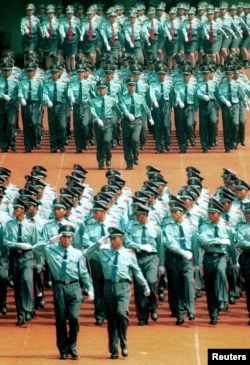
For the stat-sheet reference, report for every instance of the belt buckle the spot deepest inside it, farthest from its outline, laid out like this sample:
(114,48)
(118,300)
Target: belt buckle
(19,251)
(67,282)
(215,254)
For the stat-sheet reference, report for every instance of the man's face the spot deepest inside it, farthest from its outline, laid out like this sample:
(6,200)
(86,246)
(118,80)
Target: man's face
(59,213)
(99,215)
(80,75)
(18,212)
(102,91)
(6,73)
(241,193)
(66,241)
(214,217)
(177,215)
(131,89)
(141,218)
(116,242)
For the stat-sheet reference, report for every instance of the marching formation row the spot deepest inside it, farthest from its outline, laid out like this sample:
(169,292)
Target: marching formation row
(191,241)
(110,100)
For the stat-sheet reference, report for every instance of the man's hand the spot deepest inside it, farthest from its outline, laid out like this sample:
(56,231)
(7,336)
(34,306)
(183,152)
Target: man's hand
(56,238)
(26,246)
(147,247)
(181,105)
(161,270)
(147,293)
(187,255)
(6,97)
(23,102)
(50,104)
(131,117)
(91,295)
(100,123)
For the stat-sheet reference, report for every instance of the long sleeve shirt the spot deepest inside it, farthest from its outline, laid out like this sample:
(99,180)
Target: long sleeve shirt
(139,102)
(75,267)
(133,239)
(173,239)
(212,244)
(127,264)
(97,110)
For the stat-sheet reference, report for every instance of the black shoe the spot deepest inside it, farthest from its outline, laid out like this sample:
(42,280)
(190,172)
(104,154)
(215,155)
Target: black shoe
(213,321)
(28,317)
(124,351)
(231,300)
(191,316)
(53,150)
(154,316)
(193,144)
(204,150)
(143,322)
(168,148)
(227,150)
(74,354)
(180,321)
(197,294)
(159,151)
(48,284)
(100,166)
(243,144)
(234,146)
(183,151)
(79,151)
(136,162)
(27,150)
(63,356)
(99,322)
(142,147)
(40,302)
(4,309)
(4,149)
(113,145)
(129,167)
(38,146)
(108,163)
(223,306)
(114,355)
(92,142)
(20,321)
(13,147)
(62,149)
(86,148)
(161,297)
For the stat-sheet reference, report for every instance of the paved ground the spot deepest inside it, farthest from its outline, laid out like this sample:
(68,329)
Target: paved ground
(158,343)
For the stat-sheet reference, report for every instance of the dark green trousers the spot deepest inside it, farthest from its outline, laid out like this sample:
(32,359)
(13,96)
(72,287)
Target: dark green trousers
(131,134)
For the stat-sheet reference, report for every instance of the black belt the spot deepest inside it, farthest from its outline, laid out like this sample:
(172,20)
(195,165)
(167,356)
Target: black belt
(67,282)
(146,253)
(118,280)
(215,254)
(82,104)
(19,251)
